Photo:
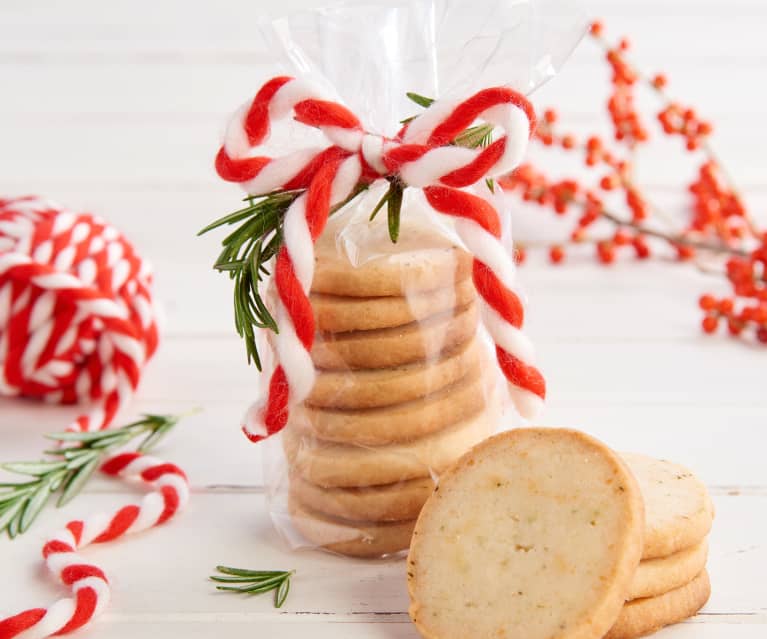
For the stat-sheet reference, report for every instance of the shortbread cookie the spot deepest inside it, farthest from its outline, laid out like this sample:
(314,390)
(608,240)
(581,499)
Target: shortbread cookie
(338,314)
(352,538)
(399,422)
(534,533)
(657,576)
(421,260)
(678,507)
(391,502)
(341,465)
(644,616)
(386,386)
(387,347)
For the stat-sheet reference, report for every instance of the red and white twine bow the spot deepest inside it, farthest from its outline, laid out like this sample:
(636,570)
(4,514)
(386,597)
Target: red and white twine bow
(77,322)
(89,584)
(421,156)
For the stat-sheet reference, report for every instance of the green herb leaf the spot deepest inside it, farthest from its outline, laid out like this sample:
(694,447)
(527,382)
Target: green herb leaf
(9,513)
(394,209)
(34,505)
(476,136)
(282,593)
(74,484)
(420,100)
(253,574)
(36,469)
(384,199)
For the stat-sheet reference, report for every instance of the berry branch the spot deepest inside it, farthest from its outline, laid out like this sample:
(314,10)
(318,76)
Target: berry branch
(717,228)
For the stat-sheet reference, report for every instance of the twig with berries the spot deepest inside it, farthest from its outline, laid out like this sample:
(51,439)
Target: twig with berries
(718,226)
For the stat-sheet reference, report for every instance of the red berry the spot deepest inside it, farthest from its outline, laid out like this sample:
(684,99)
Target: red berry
(520,255)
(621,238)
(734,327)
(597,28)
(659,81)
(641,248)
(761,335)
(556,254)
(568,142)
(707,302)
(577,235)
(608,182)
(606,252)
(593,144)
(550,116)
(709,324)
(624,44)
(726,305)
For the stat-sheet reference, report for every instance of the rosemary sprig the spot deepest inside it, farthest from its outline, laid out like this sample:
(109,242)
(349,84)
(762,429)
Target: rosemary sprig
(69,468)
(246,253)
(254,582)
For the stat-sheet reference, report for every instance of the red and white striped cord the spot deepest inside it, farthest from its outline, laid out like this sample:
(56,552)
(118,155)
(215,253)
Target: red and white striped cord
(77,321)
(77,324)
(420,156)
(89,585)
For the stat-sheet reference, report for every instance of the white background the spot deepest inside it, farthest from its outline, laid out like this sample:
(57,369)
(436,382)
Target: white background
(117,107)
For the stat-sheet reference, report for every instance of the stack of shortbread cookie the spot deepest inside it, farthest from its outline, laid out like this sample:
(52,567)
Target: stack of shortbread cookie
(400,393)
(542,533)
(671,582)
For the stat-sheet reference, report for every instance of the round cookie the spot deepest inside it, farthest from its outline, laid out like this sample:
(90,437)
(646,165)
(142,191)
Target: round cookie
(385,386)
(644,616)
(421,260)
(392,502)
(340,465)
(678,508)
(338,314)
(655,577)
(352,538)
(388,347)
(398,422)
(534,533)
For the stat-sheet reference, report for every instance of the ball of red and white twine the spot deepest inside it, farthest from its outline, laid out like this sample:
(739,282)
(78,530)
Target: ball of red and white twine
(77,324)
(421,156)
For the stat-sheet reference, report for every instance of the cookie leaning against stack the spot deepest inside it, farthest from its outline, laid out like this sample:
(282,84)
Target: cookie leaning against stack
(535,533)
(671,583)
(400,392)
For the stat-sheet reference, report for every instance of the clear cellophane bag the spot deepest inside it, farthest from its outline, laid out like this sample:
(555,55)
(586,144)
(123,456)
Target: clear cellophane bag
(406,378)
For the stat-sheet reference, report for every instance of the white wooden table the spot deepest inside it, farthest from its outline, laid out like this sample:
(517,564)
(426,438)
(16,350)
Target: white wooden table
(116,107)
